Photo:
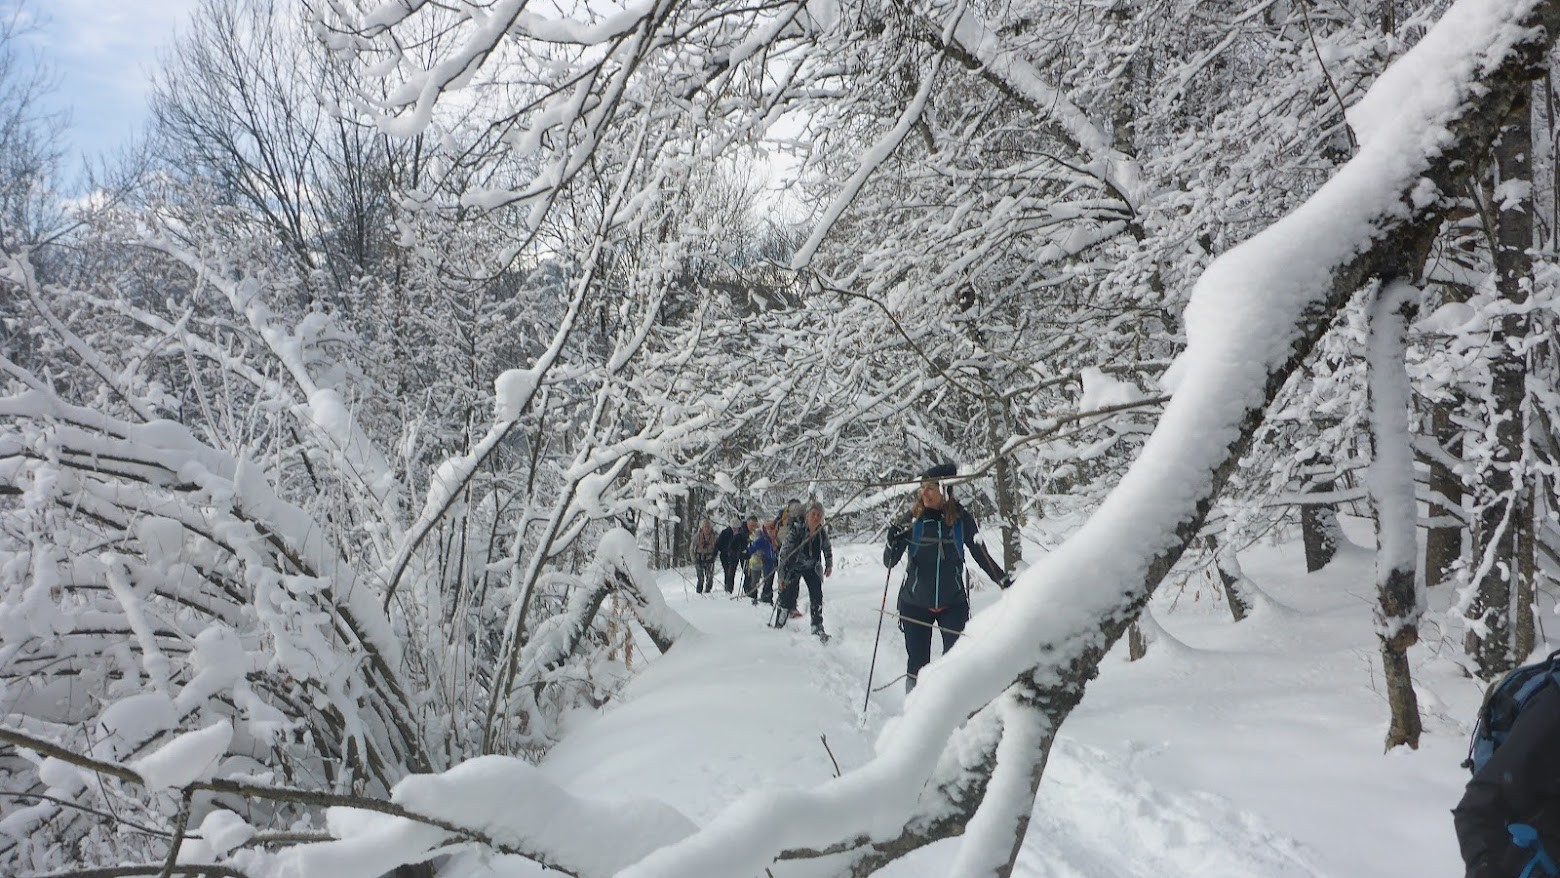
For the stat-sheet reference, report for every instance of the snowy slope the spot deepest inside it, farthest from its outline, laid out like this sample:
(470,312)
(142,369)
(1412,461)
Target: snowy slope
(1232,750)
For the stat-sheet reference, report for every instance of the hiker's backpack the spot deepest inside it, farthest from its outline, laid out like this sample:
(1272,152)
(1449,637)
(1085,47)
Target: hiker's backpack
(1503,703)
(919,526)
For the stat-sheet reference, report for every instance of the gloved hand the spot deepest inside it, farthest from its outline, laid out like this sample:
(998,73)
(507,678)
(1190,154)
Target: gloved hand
(898,533)
(1006,582)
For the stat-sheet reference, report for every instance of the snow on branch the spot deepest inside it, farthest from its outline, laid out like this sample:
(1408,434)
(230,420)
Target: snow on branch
(981,48)
(619,554)
(196,529)
(493,802)
(321,408)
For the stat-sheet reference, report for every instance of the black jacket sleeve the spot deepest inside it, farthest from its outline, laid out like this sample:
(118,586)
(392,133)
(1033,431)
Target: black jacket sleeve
(1519,784)
(897,541)
(977,550)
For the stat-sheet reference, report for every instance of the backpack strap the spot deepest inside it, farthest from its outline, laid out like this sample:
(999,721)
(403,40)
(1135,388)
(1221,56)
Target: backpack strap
(1540,864)
(958,536)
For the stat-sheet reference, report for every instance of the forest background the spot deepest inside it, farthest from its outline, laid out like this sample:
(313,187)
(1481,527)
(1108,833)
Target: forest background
(345,416)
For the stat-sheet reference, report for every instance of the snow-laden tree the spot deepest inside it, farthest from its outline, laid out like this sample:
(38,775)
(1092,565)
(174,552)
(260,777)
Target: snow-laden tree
(277,574)
(1001,697)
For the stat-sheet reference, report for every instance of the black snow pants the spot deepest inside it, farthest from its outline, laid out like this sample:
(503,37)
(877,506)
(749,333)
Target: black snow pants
(916,622)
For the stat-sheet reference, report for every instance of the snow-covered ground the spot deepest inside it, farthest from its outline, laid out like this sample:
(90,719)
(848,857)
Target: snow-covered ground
(1232,750)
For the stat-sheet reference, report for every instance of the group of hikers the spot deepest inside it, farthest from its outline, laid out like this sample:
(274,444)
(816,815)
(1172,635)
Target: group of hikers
(935,534)
(794,544)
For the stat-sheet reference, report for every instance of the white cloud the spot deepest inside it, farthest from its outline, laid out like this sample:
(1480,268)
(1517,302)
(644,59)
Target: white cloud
(104,52)
(110,40)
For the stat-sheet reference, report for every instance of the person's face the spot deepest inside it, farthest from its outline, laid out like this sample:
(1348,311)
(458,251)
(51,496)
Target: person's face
(814,517)
(752,526)
(931,495)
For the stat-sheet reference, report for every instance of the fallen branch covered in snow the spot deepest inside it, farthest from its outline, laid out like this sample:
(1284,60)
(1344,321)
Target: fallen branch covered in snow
(423,813)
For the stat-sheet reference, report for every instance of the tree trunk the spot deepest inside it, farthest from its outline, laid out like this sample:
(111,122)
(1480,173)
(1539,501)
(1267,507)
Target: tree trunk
(1443,542)
(1527,570)
(1392,499)
(1230,576)
(1500,521)
(1006,489)
(1319,529)
(1137,644)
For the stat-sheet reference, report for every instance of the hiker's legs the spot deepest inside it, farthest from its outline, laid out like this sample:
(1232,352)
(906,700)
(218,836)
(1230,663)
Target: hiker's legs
(768,595)
(705,576)
(790,590)
(730,568)
(952,621)
(916,623)
(815,595)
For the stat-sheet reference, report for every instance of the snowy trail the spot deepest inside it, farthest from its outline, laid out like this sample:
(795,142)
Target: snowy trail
(739,708)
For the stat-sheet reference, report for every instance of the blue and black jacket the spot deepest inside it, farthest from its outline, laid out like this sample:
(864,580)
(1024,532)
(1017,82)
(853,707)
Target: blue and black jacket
(1518,785)
(935,575)
(764,549)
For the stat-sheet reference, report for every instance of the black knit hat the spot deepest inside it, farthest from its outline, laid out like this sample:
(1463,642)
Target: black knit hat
(940,471)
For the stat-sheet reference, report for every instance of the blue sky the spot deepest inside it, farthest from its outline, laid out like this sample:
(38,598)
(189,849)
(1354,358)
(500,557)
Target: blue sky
(103,53)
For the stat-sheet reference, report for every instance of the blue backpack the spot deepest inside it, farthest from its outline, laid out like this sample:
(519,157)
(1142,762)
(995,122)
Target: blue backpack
(1503,703)
(958,535)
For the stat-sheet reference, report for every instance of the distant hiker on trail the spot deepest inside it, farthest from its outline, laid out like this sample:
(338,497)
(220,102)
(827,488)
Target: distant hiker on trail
(749,570)
(703,552)
(765,550)
(729,546)
(791,511)
(936,533)
(807,555)
(1508,822)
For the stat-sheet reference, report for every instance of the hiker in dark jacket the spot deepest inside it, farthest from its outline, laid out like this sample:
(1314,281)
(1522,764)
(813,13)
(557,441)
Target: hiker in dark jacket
(936,534)
(703,551)
(1520,784)
(730,546)
(790,513)
(806,555)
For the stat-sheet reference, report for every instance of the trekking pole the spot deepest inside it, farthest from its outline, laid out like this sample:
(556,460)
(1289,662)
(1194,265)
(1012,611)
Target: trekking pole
(872,666)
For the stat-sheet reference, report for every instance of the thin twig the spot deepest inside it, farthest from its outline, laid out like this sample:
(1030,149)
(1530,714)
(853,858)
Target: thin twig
(1305,15)
(66,803)
(890,683)
(180,826)
(825,740)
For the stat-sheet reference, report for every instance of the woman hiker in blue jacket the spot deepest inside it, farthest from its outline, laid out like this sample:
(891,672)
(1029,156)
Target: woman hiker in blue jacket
(765,552)
(936,534)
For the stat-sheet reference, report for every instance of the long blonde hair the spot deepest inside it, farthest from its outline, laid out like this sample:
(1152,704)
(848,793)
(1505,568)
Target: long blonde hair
(950,508)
